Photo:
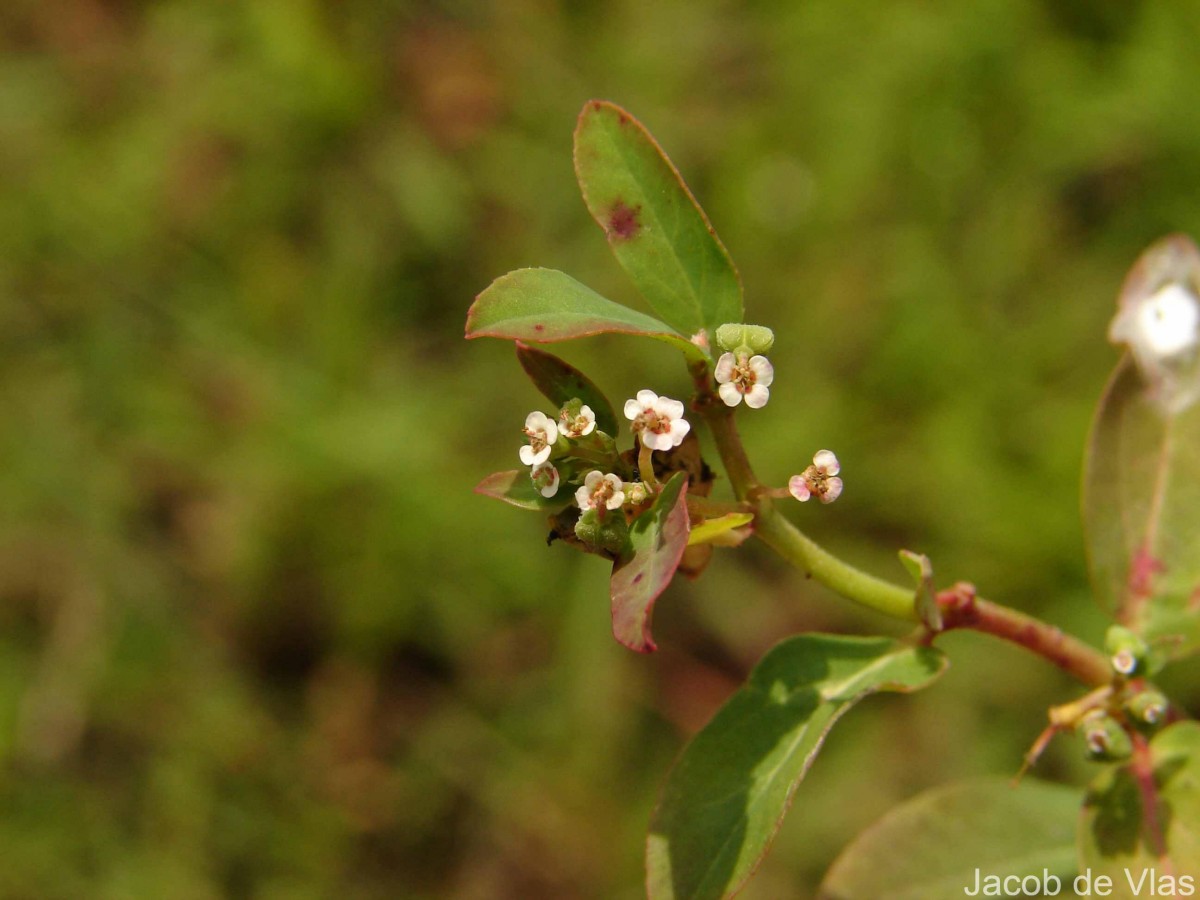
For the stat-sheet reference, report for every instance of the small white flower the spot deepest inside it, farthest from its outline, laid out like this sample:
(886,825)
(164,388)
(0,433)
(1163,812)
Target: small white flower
(739,376)
(820,478)
(577,426)
(658,420)
(542,433)
(600,492)
(1161,327)
(545,478)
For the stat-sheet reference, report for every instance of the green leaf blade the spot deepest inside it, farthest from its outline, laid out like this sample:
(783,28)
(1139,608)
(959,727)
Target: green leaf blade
(544,306)
(1119,835)
(930,847)
(655,228)
(1141,507)
(516,488)
(657,539)
(728,792)
(559,382)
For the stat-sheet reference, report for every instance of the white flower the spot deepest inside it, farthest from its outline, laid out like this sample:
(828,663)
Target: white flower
(583,423)
(740,377)
(542,433)
(545,478)
(820,478)
(1162,326)
(600,492)
(658,420)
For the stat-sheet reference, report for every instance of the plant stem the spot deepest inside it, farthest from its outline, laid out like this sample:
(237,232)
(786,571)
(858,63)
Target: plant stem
(646,468)
(959,605)
(962,609)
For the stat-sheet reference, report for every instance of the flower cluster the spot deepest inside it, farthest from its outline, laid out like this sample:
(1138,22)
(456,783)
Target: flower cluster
(819,479)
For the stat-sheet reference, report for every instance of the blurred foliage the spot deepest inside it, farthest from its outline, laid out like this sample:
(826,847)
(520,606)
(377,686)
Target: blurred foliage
(257,636)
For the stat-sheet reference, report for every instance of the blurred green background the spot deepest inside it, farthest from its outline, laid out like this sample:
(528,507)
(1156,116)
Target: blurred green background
(257,636)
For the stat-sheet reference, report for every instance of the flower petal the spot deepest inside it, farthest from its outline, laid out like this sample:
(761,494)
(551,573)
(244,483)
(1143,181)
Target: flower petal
(616,501)
(757,396)
(535,421)
(592,478)
(527,455)
(679,430)
(583,497)
(633,409)
(730,394)
(724,370)
(646,398)
(764,372)
(825,460)
(535,458)
(665,406)
(833,490)
(798,488)
(656,441)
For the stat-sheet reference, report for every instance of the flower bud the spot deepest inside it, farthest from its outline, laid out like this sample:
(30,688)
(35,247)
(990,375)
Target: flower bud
(609,534)
(1126,651)
(748,339)
(1106,740)
(1147,709)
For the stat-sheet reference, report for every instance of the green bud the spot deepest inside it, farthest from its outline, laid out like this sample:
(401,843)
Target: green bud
(748,339)
(1147,709)
(610,533)
(1126,651)
(1105,739)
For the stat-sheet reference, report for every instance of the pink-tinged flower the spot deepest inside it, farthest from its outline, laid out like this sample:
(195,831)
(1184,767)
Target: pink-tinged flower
(545,478)
(820,479)
(657,420)
(578,425)
(542,433)
(741,377)
(600,492)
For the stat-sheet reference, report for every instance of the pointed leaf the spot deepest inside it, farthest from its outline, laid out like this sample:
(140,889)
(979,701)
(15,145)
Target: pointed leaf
(657,539)
(1137,829)
(728,530)
(560,382)
(1141,507)
(925,603)
(545,305)
(728,792)
(931,847)
(516,487)
(654,225)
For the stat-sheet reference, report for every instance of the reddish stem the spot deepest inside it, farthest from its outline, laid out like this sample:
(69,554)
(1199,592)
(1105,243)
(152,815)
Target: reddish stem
(1142,767)
(962,609)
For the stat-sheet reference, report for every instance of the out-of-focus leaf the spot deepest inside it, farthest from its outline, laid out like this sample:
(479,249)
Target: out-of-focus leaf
(561,382)
(545,305)
(1141,506)
(1145,825)
(931,847)
(657,539)
(727,794)
(516,487)
(721,530)
(925,603)
(654,225)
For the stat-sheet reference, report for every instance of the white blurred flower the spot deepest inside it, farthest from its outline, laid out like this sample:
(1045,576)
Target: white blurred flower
(545,478)
(657,420)
(578,425)
(600,491)
(739,376)
(1161,327)
(820,479)
(542,433)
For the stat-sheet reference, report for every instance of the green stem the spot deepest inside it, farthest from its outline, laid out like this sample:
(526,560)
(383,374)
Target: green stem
(790,543)
(646,468)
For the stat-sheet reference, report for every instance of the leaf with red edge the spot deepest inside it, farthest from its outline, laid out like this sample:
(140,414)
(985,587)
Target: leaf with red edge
(545,305)
(655,228)
(657,539)
(516,488)
(560,382)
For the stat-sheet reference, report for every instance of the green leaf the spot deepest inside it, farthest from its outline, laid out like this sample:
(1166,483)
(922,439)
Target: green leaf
(657,539)
(654,225)
(925,602)
(1141,506)
(930,847)
(561,382)
(516,487)
(544,306)
(1124,838)
(727,794)
(722,530)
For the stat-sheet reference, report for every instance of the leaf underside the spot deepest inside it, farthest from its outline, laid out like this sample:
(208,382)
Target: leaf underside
(728,792)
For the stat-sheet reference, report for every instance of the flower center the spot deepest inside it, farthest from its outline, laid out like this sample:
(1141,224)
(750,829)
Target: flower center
(537,439)
(743,377)
(652,421)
